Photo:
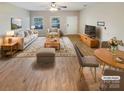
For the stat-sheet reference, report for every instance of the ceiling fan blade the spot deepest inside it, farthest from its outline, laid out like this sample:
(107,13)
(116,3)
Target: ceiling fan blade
(63,6)
(59,8)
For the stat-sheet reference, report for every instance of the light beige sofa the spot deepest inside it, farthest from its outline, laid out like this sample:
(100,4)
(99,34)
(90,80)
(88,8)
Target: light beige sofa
(22,37)
(25,38)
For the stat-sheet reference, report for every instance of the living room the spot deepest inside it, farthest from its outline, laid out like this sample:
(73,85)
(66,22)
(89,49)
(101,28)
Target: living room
(63,34)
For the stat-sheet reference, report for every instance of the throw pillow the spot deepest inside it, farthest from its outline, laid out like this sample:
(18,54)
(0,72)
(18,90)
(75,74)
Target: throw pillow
(20,34)
(25,33)
(54,29)
(34,31)
(30,32)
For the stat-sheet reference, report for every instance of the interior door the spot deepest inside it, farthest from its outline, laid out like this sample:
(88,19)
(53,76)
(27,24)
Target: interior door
(71,25)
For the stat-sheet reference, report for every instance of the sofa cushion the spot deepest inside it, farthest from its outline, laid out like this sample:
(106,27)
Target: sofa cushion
(33,36)
(34,31)
(54,30)
(26,33)
(20,34)
(30,32)
(26,40)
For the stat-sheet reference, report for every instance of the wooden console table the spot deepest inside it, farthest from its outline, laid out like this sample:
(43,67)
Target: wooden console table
(9,48)
(108,58)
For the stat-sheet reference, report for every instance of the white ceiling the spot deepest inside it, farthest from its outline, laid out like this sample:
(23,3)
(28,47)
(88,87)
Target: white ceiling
(44,6)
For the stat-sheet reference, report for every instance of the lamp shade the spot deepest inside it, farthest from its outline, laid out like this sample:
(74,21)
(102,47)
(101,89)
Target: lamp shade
(33,27)
(10,33)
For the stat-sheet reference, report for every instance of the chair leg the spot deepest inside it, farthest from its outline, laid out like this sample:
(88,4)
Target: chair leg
(103,68)
(95,73)
(80,68)
(81,74)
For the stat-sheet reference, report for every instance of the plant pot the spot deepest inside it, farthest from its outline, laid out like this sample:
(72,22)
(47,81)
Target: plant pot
(113,49)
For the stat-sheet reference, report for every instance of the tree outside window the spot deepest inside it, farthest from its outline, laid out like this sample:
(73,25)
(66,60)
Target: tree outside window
(55,22)
(38,23)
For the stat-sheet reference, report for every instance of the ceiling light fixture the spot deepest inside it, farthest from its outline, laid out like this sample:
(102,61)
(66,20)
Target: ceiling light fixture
(53,4)
(53,9)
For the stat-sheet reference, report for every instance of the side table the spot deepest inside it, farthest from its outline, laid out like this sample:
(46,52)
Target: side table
(9,48)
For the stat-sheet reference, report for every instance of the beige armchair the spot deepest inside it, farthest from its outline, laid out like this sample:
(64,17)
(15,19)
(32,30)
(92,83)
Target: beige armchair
(54,32)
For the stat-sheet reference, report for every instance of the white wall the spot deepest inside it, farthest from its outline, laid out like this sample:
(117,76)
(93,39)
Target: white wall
(7,11)
(47,15)
(111,13)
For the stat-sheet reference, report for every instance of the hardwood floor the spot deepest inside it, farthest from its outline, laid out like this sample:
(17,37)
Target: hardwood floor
(25,74)
(21,74)
(83,47)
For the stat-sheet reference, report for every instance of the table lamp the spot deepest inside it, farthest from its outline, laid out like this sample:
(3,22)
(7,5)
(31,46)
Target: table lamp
(9,35)
(33,27)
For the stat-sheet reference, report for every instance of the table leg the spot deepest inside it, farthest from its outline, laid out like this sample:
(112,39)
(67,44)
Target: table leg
(103,68)
(11,50)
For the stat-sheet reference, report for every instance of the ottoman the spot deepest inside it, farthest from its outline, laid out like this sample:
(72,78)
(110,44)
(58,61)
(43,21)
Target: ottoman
(46,55)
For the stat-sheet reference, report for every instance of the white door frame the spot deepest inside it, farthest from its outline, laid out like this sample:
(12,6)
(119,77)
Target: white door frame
(73,24)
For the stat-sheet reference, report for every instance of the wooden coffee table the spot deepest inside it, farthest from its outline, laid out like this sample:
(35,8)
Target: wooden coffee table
(52,43)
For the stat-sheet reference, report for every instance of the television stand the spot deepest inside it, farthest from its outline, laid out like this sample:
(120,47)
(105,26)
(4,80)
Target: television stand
(91,42)
(93,37)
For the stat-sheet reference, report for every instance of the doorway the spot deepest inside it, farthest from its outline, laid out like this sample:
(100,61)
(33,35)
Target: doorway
(71,25)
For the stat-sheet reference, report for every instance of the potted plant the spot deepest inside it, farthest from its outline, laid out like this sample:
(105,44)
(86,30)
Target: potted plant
(114,44)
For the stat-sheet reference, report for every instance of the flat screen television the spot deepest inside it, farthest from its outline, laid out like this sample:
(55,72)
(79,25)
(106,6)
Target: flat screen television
(90,31)
(16,23)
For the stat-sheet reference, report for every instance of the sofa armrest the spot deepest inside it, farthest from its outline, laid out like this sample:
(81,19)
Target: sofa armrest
(20,41)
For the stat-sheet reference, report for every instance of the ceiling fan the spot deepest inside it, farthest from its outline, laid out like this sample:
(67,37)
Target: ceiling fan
(55,7)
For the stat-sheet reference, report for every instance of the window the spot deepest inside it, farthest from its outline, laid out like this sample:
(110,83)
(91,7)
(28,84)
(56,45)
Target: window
(55,21)
(38,23)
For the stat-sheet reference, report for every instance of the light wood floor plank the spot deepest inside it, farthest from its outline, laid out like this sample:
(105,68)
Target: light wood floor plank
(25,74)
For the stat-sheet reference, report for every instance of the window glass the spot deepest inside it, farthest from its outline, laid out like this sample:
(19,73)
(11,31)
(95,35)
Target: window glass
(38,23)
(55,22)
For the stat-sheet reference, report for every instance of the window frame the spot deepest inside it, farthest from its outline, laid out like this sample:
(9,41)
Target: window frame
(51,21)
(42,21)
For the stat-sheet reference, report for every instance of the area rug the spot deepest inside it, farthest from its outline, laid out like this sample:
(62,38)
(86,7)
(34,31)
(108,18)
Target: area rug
(66,48)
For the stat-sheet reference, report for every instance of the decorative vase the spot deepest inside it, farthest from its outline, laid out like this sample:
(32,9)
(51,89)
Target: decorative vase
(113,49)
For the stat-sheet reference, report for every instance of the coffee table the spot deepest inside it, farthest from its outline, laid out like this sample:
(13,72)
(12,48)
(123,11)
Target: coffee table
(52,43)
